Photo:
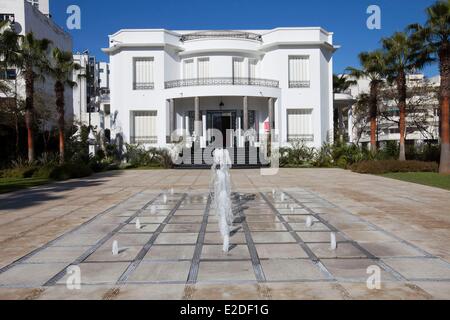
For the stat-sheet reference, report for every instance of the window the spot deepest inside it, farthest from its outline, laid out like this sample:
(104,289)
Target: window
(188,69)
(9,74)
(238,68)
(143,74)
(252,64)
(299,76)
(143,127)
(203,68)
(6,17)
(300,125)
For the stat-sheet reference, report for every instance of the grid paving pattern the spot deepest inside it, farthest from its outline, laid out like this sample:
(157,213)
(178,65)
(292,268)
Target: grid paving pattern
(177,251)
(179,243)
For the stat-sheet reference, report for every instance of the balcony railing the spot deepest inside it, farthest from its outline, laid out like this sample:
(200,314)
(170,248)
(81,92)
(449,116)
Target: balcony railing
(222,82)
(299,84)
(143,86)
(301,137)
(143,139)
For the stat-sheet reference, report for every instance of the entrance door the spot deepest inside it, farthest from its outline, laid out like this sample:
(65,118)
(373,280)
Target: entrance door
(222,121)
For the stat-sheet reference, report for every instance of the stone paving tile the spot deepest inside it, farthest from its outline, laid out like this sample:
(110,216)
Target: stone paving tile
(437,290)
(344,250)
(177,238)
(272,237)
(57,254)
(280,251)
(216,238)
(305,291)
(325,237)
(226,292)
(86,292)
(291,270)
(215,252)
(32,275)
(391,249)
(186,228)
(104,254)
(129,239)
(170,252)
(150,292)
(353,269)
(388,291)
(421,268)
(161,272)
(226,271)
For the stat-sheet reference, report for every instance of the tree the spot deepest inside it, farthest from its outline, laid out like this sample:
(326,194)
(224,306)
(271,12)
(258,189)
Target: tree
(341,84)
(32,60)
(61,69)
(9,48)
(404,55)
(372,68)
(436,34)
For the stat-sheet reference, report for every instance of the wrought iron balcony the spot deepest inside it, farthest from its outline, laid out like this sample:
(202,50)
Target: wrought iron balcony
(301,137)
(299,84)
(143,86)
(222,82)
(143,139)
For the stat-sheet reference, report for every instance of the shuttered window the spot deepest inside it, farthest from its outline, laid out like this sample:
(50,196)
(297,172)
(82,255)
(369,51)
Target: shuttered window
(300,125)
(143,73)
(299,72)
(203,68)
(188,69)
(238,68)
(144,127)
(252,64)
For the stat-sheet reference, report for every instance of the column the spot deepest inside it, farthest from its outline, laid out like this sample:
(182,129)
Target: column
(171,118)
(197,120)
(245,116)
(271,114)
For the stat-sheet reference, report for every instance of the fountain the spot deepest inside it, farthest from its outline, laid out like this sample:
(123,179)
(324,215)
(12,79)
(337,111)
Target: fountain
(165,198)
(138,224)
(333,241)
(221,196)
(309,222)
(115,248)
(153,210)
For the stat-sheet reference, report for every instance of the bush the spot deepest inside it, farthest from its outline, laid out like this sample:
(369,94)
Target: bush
(299,155)
(19,173)
(138,156)
(388,166)
(63,172)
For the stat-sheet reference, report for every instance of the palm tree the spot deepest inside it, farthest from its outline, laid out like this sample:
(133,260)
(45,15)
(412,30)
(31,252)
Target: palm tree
(404,55)
(340,85)
(9,48)
(61,69)
(373,69)
(436,33)
(32,60)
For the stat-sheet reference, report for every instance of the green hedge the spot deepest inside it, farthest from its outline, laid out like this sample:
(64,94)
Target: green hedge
(388,166)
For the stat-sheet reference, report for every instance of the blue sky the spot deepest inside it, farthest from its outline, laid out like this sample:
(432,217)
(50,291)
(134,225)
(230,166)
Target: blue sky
(346,18)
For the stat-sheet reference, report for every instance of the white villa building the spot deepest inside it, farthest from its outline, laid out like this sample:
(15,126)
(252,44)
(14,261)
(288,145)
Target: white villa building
(280,79)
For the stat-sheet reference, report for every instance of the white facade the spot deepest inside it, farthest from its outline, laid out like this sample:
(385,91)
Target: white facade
(163,81)
(25,17)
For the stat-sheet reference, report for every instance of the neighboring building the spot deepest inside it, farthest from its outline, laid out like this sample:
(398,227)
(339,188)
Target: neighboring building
(192,81)
(423,105)
(91,94)
(34,16)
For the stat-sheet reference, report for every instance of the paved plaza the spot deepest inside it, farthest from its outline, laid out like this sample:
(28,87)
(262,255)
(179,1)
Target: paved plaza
(401,228)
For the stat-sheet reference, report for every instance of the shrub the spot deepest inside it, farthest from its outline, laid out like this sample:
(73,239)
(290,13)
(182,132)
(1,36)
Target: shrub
(63,172)
(324,157)
(387,166)
(138,156)
(298,155)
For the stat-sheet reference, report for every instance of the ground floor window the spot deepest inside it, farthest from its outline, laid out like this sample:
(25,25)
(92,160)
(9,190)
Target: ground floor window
(300,124)
(144,127)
